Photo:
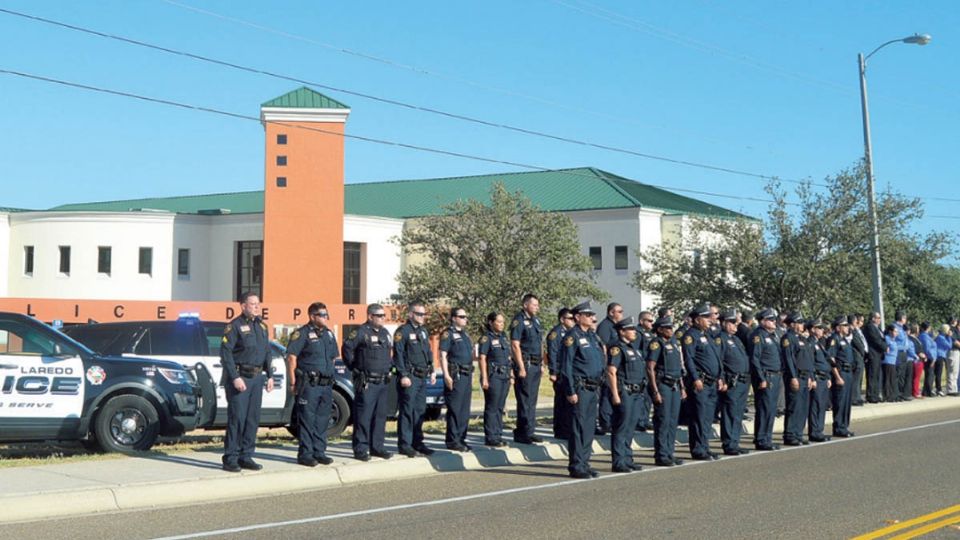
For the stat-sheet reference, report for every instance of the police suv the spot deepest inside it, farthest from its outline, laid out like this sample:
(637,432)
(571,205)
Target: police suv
(54,388)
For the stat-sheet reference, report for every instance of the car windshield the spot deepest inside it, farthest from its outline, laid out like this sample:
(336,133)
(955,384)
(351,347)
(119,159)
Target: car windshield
(34,338)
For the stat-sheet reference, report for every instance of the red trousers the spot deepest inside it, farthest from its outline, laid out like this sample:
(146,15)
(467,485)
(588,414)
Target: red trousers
(917,378)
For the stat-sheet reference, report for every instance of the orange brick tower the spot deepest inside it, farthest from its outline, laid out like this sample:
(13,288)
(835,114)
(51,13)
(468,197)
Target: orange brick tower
(303,198)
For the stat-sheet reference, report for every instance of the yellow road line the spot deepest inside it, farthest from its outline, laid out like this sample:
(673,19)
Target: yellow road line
(928,528)
(909,523)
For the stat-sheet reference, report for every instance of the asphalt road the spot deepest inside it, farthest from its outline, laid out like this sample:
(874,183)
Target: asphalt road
(894,469)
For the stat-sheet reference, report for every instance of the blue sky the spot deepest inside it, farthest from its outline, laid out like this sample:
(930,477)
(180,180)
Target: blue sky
(764,87)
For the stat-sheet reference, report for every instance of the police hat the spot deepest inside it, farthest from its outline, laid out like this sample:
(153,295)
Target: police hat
(583,308)
(841,321)
(794,317)
(729,314)
(768,313)
(701,310)
(747,314)
(663,321)
(819,323)
(626,323)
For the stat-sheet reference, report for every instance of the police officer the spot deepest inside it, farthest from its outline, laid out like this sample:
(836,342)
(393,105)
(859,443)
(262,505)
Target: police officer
(456,359)
(582,361)
(561,409)
(665,367)
(310,355)
(840,355)
(820,394)
(366,352)
(245,356)
(494,360)
(607,333)
(526,341)
(736,373)
(413,361)
(797,359)
(645,336)
(702,357)
(627,380)
(765,370)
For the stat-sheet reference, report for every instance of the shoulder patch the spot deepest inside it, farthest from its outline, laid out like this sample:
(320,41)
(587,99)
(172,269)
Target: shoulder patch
(569,341)
(718,341)
(552,336)
(786,342)
(294,335)
(483,339)
(832,342)
(227,329)
(688,340)
(654,345)
(224,340)
(398,336)
(352,335)
(263,325)
(756,339)
(679,333)
(514,323)
(614,351)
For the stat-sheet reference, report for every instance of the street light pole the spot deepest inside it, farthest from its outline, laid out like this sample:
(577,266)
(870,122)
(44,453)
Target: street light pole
(876,275)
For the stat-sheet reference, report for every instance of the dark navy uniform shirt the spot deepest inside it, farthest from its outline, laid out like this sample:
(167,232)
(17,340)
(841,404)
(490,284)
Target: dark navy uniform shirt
(839,350)
(804,356)
(702,354)
(457,345)
(315,349)
(554,342)
(629,361)
(820,362)
(411,349)
(581,357)
(496,347)
(789,349)
(528,331)
(735,361)
(607,332)
(764,353)
(368,349)
(246,342)
(666,354)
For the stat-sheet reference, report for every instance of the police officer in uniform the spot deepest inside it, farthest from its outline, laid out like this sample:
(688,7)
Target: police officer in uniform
(797,358)
(645,336)
(561,409)
(526,341)
(245,357)
(413,361)
(627,380)
(310,355)
(820,394)
(456,359)
(665,371)
(366,352)
(736,373)
(493,355)
(607,333)
(702,355)
(582,361)
(765,370)
(840,355)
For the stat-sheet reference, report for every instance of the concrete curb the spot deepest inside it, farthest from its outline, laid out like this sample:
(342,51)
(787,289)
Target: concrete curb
(84,501)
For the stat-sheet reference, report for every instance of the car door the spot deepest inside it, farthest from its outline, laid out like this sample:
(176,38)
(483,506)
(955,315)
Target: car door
(41,383)
(271,400)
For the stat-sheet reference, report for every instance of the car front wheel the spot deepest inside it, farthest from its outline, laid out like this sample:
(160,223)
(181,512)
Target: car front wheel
(127,424)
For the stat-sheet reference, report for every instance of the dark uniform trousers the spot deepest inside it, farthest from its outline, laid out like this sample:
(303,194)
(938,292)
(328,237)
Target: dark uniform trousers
(703,405)
(458,406)
(819,401)
(412,408)
(904,384)
(798,409)
(606,409)
(313,418)
(643,413)
(243,419)
(526,390)
(856,393)
(583,417)
(494,401)
(766,402)
(733,405)
(840,406)
(370,417)
(665,418)
(624,427)
(561,412)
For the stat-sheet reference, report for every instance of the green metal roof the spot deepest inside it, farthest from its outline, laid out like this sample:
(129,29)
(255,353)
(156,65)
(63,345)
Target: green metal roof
(305,98)
(553,191)
(8,210)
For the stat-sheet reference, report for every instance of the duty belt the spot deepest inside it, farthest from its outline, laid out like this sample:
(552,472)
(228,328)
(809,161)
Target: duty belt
(533,359)
(588,384)
(421,372)
(663,378)
(735,378)
(707,379)
(376,378)
(822,375)
(461,369)
(844,367)
(315,378)
(768,373)
(249,371)
(500,369)
(634,388)
(805,373)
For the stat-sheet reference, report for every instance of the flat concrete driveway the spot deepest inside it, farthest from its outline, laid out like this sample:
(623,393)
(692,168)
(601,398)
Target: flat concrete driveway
(895,469)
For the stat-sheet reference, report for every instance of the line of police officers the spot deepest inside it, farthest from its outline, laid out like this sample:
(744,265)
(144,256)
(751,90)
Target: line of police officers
(616,368)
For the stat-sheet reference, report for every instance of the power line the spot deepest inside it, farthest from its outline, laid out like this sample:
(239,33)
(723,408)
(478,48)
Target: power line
(199,108)
(393,102)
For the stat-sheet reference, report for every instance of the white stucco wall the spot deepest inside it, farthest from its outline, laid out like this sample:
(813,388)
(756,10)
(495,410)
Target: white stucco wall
(220,259)
(381,257)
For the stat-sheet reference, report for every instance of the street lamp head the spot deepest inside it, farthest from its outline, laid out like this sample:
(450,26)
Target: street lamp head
(918,39)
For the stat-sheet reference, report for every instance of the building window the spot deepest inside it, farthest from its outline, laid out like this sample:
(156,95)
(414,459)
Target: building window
(352,252)
(597,257)
(65,260)
(620,258)
(28,260)
(183,262)
(250,268)
(146,260)
(104,256)
(281,138)
(282,161)
(281,181)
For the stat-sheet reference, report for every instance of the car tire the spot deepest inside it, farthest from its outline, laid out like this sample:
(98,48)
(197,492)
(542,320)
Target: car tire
(339,415)
(127,424)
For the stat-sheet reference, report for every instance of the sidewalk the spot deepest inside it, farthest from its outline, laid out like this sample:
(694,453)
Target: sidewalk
(87,487)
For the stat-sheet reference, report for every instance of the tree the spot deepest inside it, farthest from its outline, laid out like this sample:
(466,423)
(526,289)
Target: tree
(485,257)
(812,255)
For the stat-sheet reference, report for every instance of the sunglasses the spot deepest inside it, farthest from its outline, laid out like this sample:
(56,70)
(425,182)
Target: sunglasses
(647,321)
(419,313)
(322,314)
(378,315)
(460,317)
